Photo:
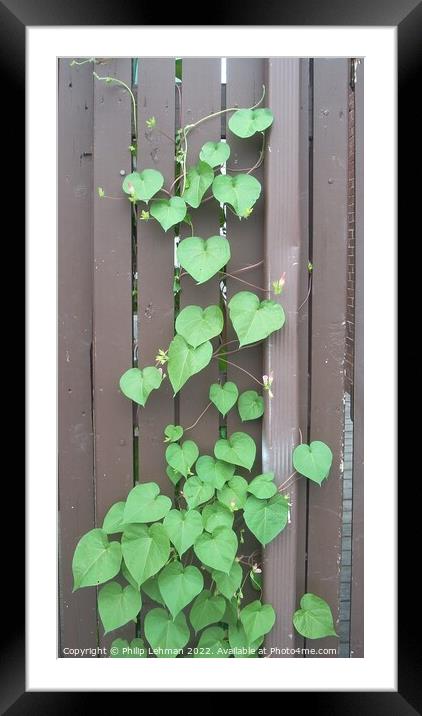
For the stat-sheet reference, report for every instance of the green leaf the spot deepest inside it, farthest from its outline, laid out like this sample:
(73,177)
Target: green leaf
(256,580)
(215,153)
(238,449)
(239,643)
(212,644)
(230,615)
(250,405)
(179,585)
(117,605)
(137,384)
(184,361)
(266,518)
(196,492)
(234,493)
(313,461)
(121,649)
(240,191)
(198,325)
(229,583)
(183,527)
(173,475)
(145,550)
(206,610)
(263,486)
(127,575)
(95,560)
(166,636)
(152,590)
(224,396)
(217,515)
(168,212)
(257,620)
(145,504)
(217,550)
(143,185)
(113,521)
(253,319)
(246,122)
(182,457)
(314,619)
(203,258)
(173,433)
(198,180)
(213,472)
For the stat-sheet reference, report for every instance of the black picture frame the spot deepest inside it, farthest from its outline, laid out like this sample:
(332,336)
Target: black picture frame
(15,16)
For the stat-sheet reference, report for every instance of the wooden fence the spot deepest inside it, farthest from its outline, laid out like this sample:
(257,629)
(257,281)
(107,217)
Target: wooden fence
(116,302)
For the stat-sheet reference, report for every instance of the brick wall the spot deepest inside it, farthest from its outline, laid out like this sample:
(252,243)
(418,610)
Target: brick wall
(350,313)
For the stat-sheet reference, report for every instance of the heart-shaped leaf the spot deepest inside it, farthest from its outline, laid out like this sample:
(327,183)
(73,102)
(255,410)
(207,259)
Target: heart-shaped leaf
(196,492)
(127,575)
(314,619)
(203,258)
(217,550)
(240,191)
(246,122)
(229,583)
(113,521)
(145,550)
(173,433)
(168,212)
(173,475)
(215,153)
(239,642)
(253,319)
(234,493)
(257,620)
(121,649)
(217,515)
(117,605)
(142,186)
(212,644)
(145,504)
(166,636)
(152,590)
(198,325)
(96,560)
(313,461)
(250,405)
(179,585)
(137,384)
(238,449)
(263,486)
(183,527)
(198,180)
(214,472)
(206,610)
(182,457)
(184,361)
(230,615)
(266,518)
(224,396)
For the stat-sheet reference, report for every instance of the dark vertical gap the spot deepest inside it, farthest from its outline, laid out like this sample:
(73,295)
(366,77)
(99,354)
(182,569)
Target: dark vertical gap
(178,74)
(222,366)
(310,254)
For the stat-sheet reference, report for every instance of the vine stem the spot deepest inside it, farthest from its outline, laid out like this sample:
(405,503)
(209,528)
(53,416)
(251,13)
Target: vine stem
(229,362)
(307,295)
(222,111)
(249,170)
(123,84)
(250,267)
(288,480)
(258,288)
(199,418)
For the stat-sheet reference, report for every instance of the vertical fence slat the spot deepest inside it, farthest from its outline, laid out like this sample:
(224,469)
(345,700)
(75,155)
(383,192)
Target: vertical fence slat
(328,324)
(112,276)
(201,95)
(357,610)
(78,617)
(286,250)
(155,260)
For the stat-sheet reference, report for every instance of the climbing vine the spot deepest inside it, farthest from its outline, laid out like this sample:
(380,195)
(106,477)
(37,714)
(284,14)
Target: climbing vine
(160,538)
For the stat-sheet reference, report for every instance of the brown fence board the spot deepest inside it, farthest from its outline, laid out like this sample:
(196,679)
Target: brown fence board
(357,603)
(201,95)
(328,324)
(78,617)
(112,278)
(286,250)
(155,262)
